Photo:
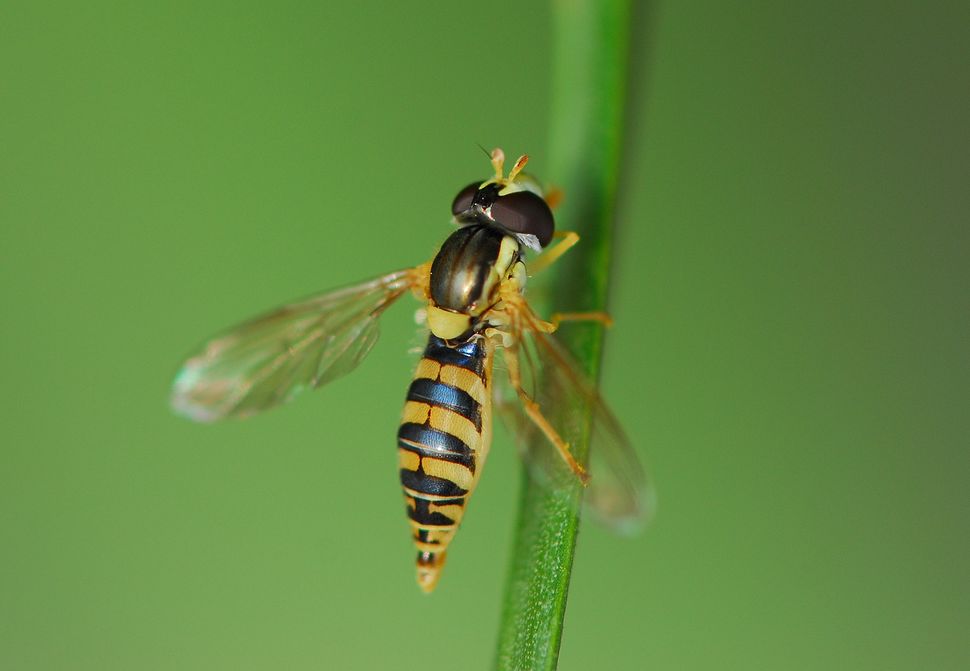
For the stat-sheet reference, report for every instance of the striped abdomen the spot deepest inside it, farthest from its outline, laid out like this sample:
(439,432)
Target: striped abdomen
(442,443)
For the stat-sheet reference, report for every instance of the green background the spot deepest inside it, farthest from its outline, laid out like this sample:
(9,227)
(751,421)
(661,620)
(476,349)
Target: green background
(790,352)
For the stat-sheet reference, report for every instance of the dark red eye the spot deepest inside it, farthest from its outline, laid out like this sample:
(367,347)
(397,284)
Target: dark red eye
(463,201)
(525,212)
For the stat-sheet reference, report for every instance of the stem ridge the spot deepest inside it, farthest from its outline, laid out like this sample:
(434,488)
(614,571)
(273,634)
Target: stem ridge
(589,95)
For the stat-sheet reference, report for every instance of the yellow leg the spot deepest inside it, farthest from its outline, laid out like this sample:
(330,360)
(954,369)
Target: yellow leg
(535,414)
(566,240)
(554,197)
(559,317)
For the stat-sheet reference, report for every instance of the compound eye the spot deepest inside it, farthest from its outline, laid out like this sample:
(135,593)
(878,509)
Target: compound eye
(463,201)
(525,212)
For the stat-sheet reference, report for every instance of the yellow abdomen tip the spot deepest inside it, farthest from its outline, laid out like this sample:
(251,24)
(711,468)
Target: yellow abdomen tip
(429,570)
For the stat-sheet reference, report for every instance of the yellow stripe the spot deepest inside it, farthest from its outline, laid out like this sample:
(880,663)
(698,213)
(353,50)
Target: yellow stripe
(456,425)
(415,412)
(448,470)
(465,380)
(408,460)
(432,527)
(427,368)
(452,511)
(442,536)
(431,547)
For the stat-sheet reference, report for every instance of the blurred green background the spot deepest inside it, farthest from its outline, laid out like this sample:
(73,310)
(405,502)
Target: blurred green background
(790,354)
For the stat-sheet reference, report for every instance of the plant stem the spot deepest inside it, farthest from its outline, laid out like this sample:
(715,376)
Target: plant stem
(589,82)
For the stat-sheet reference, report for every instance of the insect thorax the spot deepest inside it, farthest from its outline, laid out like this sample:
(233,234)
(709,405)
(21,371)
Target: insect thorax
(466,275)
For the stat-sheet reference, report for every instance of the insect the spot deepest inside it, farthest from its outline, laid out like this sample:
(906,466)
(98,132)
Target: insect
(473,292)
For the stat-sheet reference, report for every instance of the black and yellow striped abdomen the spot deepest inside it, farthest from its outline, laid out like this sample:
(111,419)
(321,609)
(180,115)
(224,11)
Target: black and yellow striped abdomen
(442,444)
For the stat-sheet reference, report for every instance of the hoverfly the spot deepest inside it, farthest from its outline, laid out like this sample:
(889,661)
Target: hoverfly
(473,293)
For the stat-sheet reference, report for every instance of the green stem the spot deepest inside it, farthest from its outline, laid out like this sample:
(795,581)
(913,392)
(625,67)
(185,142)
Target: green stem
(589,84)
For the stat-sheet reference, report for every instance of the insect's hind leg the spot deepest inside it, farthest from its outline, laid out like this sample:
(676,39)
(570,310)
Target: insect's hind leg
(535,414)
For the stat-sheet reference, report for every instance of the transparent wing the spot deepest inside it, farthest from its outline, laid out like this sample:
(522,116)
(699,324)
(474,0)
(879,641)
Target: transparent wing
(271,359)
(618,493)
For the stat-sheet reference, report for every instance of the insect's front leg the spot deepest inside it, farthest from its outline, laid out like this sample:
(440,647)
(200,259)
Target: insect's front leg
(566,241)
(513,300)
(558,318)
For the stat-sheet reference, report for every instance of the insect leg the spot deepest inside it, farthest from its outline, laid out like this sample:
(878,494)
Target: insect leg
(535,414)
(566,240)
(559,317)
(553,197)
